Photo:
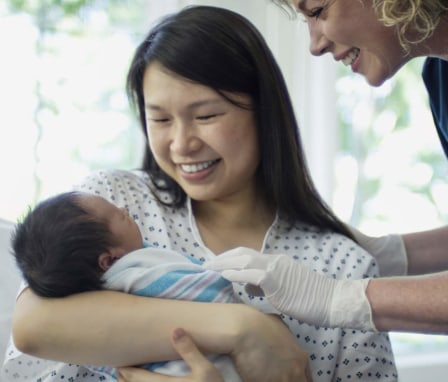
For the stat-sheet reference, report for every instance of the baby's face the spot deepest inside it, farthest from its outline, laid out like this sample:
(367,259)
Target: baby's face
(121,225)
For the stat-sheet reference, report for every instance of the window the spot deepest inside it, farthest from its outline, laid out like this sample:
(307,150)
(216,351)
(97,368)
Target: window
(64,110)
(390,176)
(373,153)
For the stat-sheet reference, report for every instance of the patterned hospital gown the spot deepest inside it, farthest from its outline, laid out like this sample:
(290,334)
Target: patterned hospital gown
(336,355)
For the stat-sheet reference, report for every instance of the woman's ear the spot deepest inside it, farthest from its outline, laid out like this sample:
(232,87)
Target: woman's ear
(106,260)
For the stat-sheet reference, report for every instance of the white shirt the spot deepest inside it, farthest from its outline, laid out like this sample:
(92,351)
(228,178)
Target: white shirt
(335,354)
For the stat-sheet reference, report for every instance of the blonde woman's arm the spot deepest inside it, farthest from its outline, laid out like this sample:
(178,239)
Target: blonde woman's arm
(427,251)
(410,303)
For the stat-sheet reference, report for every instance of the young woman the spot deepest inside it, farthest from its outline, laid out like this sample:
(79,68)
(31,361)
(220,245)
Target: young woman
(224,168)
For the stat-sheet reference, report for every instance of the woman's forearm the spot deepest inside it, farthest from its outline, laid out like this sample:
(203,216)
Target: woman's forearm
(413,303)
(427,251)
(111,328)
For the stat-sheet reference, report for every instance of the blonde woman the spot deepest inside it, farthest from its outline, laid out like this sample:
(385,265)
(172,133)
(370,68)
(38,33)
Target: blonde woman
(375,38)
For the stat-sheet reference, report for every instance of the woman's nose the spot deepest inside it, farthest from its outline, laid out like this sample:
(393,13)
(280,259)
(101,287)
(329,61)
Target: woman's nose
(319,44)
(185,139)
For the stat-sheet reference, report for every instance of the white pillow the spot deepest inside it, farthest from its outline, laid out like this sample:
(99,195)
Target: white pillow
(9,284)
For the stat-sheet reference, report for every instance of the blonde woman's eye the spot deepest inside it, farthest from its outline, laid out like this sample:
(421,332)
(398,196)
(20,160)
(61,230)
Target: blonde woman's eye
(315,12)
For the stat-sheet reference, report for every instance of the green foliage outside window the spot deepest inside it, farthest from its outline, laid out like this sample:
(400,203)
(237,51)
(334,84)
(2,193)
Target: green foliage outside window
(78,118)
(392,127)
(390,133)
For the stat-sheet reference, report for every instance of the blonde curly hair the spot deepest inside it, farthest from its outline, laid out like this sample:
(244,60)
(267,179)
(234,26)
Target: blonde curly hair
(414,20)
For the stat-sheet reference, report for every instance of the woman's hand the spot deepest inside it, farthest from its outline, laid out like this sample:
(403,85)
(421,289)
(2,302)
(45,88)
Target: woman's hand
(297,291)
(284,364)
(389,251)
(268,352)
(201,368)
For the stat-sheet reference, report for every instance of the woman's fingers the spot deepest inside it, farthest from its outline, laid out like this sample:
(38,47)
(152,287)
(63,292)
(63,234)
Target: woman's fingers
(136,374)
(202,370)
(268,352)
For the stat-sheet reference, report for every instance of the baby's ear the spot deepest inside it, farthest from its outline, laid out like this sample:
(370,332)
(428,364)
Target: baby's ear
(106,260)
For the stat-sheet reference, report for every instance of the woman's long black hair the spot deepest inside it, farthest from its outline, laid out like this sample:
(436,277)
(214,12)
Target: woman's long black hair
(221,49)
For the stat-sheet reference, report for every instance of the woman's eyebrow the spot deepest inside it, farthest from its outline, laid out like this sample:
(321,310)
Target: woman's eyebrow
(193,105)
(197,104)
(149,106)
(301,5)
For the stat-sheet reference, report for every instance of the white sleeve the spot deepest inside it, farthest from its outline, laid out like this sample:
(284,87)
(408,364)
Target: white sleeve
(363,355)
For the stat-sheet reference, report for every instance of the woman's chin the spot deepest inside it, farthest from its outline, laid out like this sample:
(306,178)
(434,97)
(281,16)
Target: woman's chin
(376,80)
(379,74)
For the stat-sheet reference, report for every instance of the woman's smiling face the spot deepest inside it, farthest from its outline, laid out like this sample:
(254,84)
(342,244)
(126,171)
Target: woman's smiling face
(208,145)
(351,32)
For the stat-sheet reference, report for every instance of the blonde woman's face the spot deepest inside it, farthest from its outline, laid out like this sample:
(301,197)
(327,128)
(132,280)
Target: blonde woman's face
(352,33)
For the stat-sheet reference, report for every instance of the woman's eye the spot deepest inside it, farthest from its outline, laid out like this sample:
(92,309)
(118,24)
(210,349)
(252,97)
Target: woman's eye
(206,117)
(315,12)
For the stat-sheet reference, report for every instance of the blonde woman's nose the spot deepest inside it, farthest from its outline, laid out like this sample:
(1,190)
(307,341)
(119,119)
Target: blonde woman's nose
(319,43)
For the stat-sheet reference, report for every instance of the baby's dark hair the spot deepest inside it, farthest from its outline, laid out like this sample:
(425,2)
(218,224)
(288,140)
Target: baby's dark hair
(57,245)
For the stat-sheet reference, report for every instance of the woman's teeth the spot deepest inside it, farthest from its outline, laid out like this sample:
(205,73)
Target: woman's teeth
(190,168)
(348,60)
